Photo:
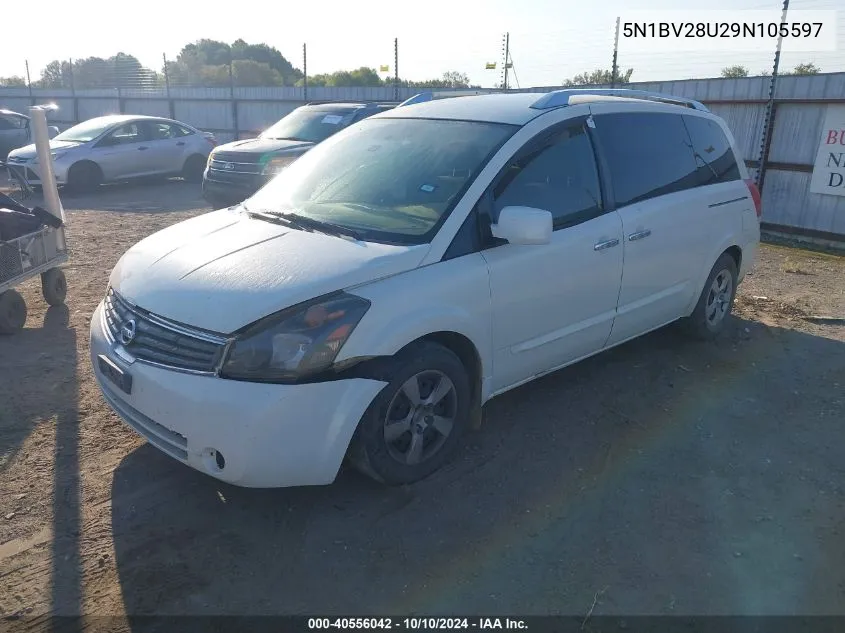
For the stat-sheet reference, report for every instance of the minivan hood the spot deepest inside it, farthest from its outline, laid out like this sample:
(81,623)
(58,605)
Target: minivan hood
(223,270)
(264,145)
(29,151)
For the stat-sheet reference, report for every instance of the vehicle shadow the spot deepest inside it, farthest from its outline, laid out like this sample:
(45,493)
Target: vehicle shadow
(666,476)
(151,195)
(38,377)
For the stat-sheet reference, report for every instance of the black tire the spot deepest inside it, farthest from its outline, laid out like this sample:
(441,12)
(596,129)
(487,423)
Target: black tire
(12,312)
(426,363)
(701,324)
(84,177)
(54,286)
(194,168)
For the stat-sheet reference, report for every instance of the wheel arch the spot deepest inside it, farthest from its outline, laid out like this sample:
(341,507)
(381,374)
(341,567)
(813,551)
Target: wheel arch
(728,247)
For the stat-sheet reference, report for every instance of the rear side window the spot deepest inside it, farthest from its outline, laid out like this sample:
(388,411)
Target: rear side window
(648,154)
(712,151)
(558,175)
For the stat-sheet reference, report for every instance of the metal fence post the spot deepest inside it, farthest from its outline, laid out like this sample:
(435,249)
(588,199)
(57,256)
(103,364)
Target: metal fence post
(614,73)
(769,119)
(29,83)
(73,92)
(171,106)
(304,73)
(234,100)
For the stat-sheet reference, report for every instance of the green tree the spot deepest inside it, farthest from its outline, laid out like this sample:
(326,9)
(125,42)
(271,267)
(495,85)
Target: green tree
(15,81)
(359,77)
(206,62)
(599,77)
(808,68)
(732,72)
(117,71)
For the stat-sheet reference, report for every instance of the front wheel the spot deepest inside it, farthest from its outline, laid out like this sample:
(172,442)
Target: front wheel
(716,301)
(416,422)
(54,286)
(12,312)
(193,169)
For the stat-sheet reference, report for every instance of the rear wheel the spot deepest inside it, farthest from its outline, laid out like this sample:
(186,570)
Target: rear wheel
(54,286)
(716,301)
(416,422)
(194,168)
(12,312)
(84,177)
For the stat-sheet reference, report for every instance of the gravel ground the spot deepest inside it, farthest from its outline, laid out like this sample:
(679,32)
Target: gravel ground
(662,477)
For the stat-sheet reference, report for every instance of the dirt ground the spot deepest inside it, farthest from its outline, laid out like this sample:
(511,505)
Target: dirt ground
(662,477)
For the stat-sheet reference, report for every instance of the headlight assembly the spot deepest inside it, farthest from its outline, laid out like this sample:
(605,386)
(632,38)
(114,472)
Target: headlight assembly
(294,343)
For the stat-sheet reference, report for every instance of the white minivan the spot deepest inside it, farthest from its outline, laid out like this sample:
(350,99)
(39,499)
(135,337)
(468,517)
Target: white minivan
(368,301)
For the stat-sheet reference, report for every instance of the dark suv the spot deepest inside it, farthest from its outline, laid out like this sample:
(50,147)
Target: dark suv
(238,169)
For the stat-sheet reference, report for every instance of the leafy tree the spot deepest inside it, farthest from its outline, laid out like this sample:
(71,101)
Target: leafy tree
(206,62)
(117,71)
(806,69)
(732,72)
(15,81)
(599,77)
(359,77)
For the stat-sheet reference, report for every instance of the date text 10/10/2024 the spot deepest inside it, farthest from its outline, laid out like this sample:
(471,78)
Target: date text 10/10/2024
(420,623)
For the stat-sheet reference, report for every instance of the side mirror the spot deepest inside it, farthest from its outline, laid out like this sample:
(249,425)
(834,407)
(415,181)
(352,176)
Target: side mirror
(52,131)
(523,225)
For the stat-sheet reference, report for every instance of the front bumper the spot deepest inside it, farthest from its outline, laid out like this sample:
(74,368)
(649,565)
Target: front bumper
(233,189)
(269,435)
(32,174)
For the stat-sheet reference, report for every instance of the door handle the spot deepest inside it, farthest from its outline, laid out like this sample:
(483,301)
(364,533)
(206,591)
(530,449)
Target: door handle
(600,246)
(142,148)
(633,237)
(180,143)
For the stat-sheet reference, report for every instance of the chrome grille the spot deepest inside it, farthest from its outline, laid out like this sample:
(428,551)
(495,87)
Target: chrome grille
(223,167)
(160,341)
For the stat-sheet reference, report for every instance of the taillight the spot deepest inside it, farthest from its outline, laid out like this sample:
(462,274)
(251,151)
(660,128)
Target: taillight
(755,196)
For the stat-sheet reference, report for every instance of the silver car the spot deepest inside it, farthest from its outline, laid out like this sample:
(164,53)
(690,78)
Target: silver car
(120,147)
(15,131)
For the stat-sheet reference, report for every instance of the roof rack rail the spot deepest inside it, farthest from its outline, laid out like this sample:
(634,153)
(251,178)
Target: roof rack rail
(560,98)
(444,94)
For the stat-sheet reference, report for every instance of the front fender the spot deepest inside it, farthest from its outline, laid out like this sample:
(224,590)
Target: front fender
(452,296)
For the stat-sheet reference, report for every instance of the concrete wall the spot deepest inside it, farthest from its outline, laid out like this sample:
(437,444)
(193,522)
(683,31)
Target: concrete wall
(800,106)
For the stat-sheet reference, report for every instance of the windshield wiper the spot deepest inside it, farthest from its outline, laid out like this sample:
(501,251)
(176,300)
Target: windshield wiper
(322,226)
(303,223)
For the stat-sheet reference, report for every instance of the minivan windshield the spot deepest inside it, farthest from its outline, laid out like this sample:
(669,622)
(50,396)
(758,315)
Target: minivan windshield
(309,125)
(390,180)
(85,131)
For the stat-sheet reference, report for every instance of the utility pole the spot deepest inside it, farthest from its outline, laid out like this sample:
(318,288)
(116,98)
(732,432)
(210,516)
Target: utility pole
(396,69)
(304,73)
(615,72)
(769,120)
(506,49)
(29,83)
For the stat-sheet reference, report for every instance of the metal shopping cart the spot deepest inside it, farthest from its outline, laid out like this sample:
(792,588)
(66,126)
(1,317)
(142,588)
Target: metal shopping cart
(35,245)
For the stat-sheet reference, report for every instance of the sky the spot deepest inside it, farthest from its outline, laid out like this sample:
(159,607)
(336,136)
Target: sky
(550,40)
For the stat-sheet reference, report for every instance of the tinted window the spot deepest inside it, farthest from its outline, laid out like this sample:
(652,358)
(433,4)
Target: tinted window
(557,175)
(162,131)
(713,154)
(309,124)
(126,134)
(11,122)
(648,154)
(181,131)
